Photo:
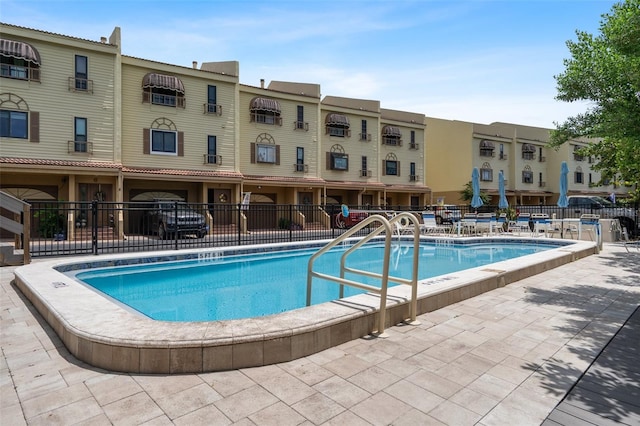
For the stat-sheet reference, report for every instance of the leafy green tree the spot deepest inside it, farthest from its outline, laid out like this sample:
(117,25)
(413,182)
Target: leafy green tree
(605,70)
(467,194)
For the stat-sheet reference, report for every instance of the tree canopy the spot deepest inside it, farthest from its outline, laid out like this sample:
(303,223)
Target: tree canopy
(605,71)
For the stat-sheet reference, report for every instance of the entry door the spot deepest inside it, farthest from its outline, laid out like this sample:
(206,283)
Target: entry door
(220,206)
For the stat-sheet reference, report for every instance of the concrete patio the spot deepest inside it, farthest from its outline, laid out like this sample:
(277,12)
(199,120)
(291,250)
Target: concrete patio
(505,357)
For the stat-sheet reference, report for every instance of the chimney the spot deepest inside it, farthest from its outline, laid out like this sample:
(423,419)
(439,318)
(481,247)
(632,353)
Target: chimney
(262,83)
(103,39)
(195,65)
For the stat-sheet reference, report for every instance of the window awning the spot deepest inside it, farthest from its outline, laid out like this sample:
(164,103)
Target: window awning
(161,81)
(391,131)
(19,50)
(485,144)
(527,147)
(264,104)
(334,119)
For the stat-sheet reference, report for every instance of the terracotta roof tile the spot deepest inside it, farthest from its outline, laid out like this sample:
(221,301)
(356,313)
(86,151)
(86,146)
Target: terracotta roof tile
(181,172)
(60,163)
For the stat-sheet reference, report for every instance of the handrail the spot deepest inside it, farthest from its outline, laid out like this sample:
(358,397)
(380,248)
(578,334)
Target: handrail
(384,277)
(17,226)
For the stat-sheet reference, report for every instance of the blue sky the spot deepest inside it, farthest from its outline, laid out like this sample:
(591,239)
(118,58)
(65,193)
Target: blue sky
(471,60)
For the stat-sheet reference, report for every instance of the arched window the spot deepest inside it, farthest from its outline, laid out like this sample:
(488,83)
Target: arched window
(486,173)
(527,175)
(391,165)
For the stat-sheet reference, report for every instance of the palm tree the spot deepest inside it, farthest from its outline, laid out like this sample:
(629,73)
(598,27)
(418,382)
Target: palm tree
(467,194)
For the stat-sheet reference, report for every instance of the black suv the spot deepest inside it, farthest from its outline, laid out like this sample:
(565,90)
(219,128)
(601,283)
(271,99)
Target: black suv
(170,218)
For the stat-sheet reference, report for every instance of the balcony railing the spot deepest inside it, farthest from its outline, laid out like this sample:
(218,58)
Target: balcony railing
(503,156)
(213,109)
(414,178)
(542,184)
(19,73)
(212,159)
(80,85)
(365,173)
(79,147)
(391,141)
(301,168)
(162,99)
(366,137)
(257,117)
(542,159)
(301,125)
(487,153)
(414,145)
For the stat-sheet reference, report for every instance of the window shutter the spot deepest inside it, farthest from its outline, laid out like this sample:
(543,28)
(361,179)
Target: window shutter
(253,152)
(384,168)
(34,127)
(328,162)
(398,166)
(180,144)
(278,154)
(146,141)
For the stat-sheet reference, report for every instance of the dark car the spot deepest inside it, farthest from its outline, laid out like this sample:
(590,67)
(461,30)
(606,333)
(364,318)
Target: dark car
(169,218)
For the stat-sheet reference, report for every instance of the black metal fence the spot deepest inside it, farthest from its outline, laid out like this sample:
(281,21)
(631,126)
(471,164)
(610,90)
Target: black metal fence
(72,228)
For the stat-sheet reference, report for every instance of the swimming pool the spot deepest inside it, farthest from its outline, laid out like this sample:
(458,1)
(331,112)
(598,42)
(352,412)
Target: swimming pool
(251,285)
(105,335)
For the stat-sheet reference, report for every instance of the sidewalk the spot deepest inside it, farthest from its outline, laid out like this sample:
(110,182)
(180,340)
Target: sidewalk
(505,357)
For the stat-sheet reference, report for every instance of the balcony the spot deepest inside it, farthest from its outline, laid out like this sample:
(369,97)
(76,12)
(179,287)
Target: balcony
(542,159)
(542,184)
(212,109)
(414,145)
(503,156)
(80,85)
(365,137)
(414,178)
(301,168)
(391,141)
(301,125)
(212,159)
(365,173)
(80,147)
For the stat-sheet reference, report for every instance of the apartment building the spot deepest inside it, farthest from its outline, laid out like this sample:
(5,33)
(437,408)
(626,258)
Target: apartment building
(531,169)
(82,122)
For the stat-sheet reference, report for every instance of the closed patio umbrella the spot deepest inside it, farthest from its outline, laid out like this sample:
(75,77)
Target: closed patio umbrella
(476,201)
(503,203)
(563,201)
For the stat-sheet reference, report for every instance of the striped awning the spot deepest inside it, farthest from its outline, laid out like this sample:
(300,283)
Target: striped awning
(527,147)
(334,119)
(485,144)
(161,81)
(391,131)
(19,50)
(264,104)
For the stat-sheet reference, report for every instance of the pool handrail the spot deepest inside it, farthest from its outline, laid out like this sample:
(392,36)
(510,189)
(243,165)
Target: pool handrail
(384,277)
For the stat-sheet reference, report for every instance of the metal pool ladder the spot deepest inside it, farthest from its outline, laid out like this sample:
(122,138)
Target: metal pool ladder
(386,227)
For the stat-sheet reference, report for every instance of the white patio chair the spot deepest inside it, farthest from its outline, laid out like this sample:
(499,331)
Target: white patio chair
(541,224)
(429,224)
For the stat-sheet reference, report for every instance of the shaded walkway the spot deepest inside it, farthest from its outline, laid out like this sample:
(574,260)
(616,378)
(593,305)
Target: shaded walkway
(609,391)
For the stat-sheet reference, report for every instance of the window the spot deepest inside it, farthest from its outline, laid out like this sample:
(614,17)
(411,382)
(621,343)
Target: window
(413,177)
(212,107)
(19,60)
(300,166)
(391,136)
(266,153)
(503,156)
(80,138)
(339,161)
(486,148)
(364,172)
(540,157)
(528,152)
(13,124)
(541,183)
(160,89)
(82,72)
(579,177)
(391,167)
(576,154)
(527,175)
(337,125)
(486,173)
(163,142)
(212,150)
(364,136)
(265,111)
(300,124)
(412,143)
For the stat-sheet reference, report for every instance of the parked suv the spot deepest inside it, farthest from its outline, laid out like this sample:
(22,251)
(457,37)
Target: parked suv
(581,204)
(166,218)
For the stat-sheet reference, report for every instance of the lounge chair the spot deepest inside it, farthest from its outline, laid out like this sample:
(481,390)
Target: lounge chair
(483,223)
(429,224)
(521,224)
(541,224)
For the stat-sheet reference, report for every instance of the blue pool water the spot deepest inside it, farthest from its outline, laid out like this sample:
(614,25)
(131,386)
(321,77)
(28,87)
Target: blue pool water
(245,286)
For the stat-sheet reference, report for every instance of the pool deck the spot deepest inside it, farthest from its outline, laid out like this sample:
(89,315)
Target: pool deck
(508,356)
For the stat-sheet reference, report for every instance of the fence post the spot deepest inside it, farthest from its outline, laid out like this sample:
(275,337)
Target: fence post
(239,222)
(175,222)
(94,227)
(290,222)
